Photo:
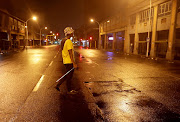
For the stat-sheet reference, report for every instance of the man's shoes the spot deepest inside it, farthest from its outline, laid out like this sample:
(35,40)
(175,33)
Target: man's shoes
(72,92)
(57,88)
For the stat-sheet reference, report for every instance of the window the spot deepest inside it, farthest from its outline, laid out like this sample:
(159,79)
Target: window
(133,19)
(144,15)
(164,9)
(6,21)
(117,20)
(15,24)
(1,19)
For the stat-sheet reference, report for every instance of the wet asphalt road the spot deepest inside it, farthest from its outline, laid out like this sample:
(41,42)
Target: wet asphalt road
(25,92)
(112,87)
(132,88)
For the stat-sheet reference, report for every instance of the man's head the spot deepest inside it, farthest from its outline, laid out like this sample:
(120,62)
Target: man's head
(68,31)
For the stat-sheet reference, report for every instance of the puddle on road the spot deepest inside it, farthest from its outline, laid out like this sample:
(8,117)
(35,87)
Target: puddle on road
(119,100)
(101,104)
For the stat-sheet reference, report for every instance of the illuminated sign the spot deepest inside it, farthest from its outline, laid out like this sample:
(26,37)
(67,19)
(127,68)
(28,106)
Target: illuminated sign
(111,38)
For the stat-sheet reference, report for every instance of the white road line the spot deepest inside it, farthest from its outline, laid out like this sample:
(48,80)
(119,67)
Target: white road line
(96,63)
(38,84)
(51,63)
(54,56)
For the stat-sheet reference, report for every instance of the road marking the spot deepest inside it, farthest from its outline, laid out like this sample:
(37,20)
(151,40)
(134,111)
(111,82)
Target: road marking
(51,63)
(38,84)
(96,63)
(54,56)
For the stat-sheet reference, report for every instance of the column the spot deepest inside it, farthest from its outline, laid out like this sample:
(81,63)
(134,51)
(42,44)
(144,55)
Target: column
(154,32)
(172,31)
(18,41)
(9,39)
(114,41)
(127,41)
(105,41)
(100,42)
(136,42)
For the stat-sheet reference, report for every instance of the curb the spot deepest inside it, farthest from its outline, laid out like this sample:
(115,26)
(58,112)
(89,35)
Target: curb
(91,102)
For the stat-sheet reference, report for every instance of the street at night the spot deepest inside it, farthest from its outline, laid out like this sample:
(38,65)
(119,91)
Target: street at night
(111,87)
(90,61)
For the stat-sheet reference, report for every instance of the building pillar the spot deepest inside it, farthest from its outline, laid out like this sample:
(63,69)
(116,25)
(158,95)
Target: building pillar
(9,39)
(105,41)
(172,31)
(154,32)
(127,41)
(100,42)
(18,41)
(136,42)
(114,41)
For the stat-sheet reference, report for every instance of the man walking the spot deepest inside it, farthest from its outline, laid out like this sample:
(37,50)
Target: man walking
(68,59)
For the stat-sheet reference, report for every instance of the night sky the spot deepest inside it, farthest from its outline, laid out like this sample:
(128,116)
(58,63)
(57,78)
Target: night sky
(57,14)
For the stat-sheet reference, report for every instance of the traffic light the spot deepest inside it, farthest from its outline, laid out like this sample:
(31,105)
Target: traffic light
(90,38)
(57,34)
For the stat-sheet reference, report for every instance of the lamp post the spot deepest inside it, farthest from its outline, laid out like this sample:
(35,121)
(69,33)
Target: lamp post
(92,20)
(148,39)
(40,33)
(34,18)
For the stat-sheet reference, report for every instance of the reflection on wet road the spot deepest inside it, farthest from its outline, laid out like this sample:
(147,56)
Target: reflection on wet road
(122,102)
(131,88)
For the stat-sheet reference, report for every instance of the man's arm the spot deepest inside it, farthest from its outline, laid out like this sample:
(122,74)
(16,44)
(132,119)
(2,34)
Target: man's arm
(72,59)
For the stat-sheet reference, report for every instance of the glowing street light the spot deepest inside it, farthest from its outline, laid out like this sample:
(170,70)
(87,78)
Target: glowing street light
(92,20)
(26,26)
(108,21)
(34,18)
(41,34)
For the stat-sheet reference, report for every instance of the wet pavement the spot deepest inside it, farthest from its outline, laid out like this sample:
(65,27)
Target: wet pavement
(111,87)
(122,102)
(131,88)
(25,92)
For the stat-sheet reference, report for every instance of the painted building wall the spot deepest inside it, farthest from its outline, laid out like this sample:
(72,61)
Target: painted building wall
(12,31)
(136,22)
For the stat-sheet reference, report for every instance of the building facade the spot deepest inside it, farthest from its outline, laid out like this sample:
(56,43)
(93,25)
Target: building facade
(12,31)
(140,30)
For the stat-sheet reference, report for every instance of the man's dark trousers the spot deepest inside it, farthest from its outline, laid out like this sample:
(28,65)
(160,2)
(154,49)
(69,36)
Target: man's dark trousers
(68,77)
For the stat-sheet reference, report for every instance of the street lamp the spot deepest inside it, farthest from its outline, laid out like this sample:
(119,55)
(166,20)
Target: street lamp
(40,33)
(148,39)
(34,18)
(92,20)
(26,26)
